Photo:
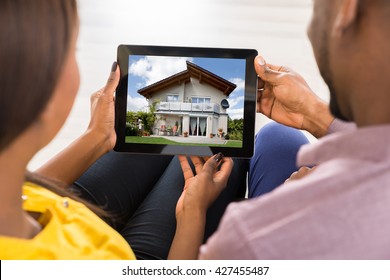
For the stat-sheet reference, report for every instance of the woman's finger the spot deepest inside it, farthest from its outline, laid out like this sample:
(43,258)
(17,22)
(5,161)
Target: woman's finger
(112,81)
(185,167)
(226,168)
(198,163)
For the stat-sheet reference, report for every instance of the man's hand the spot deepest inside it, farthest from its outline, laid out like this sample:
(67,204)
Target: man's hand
(301,173)
(284,96)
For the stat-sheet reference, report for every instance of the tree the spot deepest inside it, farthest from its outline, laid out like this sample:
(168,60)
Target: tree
(235,129)
(148,118)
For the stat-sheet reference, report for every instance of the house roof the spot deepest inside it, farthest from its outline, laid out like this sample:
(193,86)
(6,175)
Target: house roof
(194,71)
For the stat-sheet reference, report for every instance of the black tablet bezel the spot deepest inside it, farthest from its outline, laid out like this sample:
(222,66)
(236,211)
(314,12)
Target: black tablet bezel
(124,51)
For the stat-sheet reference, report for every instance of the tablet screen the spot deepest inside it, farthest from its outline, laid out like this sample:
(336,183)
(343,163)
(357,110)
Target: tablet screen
(175,100)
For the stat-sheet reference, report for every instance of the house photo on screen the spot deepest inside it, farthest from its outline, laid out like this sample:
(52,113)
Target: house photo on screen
(185,101)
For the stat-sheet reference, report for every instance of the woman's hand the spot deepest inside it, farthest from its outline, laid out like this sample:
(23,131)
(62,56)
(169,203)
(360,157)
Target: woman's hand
(203,188)
(102,123)
(285,97)
(100,137)
(200,191)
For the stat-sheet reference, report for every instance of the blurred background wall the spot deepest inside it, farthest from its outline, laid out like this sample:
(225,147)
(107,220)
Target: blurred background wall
(276,28)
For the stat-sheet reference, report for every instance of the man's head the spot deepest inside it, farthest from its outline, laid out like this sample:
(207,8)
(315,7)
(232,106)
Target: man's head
(349,37)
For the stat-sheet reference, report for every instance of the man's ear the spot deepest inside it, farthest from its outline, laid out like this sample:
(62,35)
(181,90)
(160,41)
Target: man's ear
(346,16)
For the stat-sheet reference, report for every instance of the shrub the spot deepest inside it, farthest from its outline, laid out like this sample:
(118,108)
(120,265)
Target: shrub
(131,130)
(235,135)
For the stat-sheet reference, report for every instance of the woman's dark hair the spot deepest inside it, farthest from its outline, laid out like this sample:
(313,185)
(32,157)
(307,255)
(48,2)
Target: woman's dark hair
(35,38)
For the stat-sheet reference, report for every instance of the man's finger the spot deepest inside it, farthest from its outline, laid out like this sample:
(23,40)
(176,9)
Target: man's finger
(278,68)
(267,72)
(260,84)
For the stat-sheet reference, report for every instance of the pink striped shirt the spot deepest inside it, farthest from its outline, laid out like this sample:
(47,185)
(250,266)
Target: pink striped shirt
(339,211)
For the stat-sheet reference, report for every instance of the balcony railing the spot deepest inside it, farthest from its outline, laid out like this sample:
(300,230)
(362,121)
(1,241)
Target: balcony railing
(188,107)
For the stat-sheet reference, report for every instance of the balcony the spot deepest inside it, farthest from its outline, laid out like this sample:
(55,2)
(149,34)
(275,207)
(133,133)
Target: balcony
(188,107)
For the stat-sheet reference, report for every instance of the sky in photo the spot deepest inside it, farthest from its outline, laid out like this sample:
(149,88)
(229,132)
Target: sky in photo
(146,70)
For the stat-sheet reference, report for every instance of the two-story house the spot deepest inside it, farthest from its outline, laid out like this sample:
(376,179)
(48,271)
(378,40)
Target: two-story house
(193,101)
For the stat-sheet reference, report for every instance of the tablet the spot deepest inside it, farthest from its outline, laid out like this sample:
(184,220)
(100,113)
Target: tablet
(186,100)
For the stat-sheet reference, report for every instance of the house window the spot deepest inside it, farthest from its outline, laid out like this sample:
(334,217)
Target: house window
(172,98)
(198,126)
(201,100)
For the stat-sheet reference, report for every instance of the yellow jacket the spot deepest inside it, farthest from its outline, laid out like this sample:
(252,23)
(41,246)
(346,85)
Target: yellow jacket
(70,231)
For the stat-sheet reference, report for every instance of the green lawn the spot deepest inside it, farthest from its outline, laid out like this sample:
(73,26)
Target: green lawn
(163,141)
